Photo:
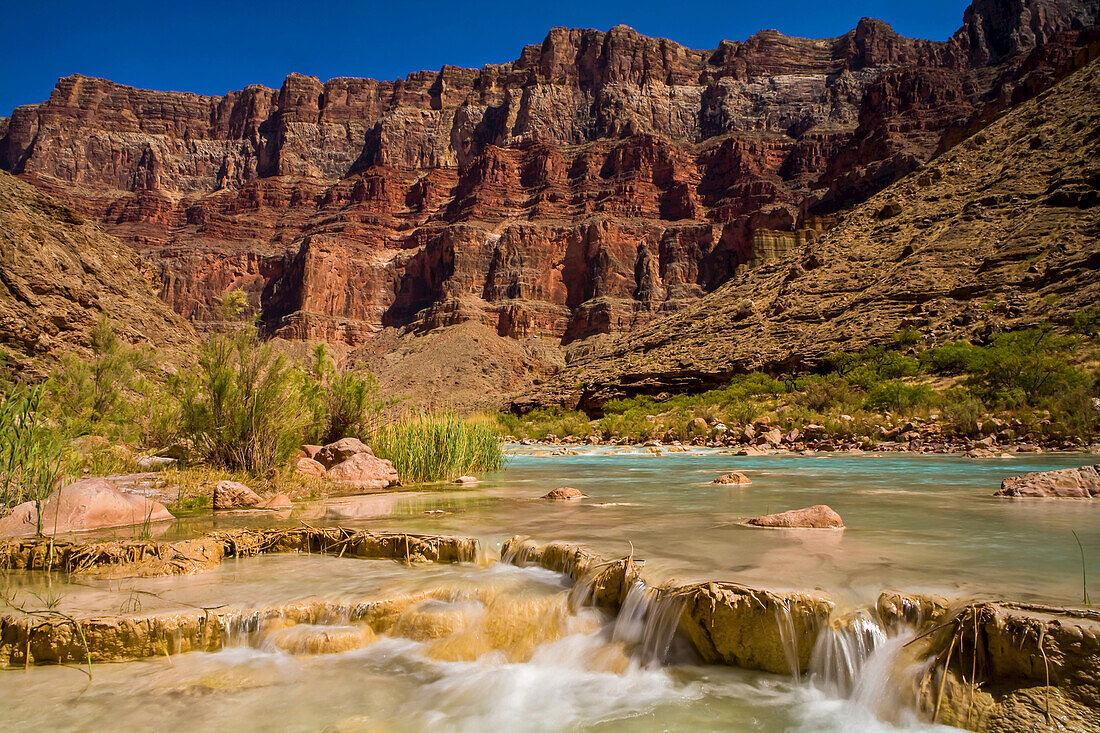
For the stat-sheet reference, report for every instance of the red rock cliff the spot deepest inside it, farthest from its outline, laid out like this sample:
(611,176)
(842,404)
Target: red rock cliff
(599,180)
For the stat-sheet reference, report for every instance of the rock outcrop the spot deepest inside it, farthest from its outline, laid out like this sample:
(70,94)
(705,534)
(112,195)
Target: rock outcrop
(998,233)
(1074,483)
(60,273)
(597,182)
(93,503)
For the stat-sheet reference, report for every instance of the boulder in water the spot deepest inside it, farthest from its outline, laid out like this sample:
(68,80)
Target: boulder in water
(93,503)
(278,502)
(466,480)
(234,495)
(818,516)
(364,471)
(1065,483)
(736,477)
(563,493)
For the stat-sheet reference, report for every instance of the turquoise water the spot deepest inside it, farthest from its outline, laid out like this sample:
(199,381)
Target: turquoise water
(919,523)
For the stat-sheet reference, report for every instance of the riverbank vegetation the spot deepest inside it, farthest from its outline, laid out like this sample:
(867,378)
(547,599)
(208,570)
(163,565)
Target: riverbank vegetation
(239,411)
(1033,382)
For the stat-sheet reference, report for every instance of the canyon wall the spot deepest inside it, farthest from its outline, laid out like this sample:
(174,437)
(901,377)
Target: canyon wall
(599,181)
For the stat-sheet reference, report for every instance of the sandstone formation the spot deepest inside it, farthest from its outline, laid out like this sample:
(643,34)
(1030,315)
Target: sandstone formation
(1076,483)
(597,182)
(309,467)
(93,503)
(1000,232)
(818,516)
(234,495)
(59,274)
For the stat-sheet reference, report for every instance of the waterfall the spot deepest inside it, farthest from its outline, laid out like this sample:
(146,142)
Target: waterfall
(842,651)
(788,639)
(648,621)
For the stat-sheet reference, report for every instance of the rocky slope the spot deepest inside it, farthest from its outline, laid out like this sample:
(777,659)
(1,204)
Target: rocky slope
(597,182)
(999,232)
(59,274)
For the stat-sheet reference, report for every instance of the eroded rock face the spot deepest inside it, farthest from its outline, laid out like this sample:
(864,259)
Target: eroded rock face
(1026,182)
(1065,483)
(364,471)
(595,182)
(1031,668)
(93,503)
(818,516)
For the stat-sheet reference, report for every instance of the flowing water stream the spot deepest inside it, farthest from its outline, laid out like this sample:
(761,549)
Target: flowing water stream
(492,646)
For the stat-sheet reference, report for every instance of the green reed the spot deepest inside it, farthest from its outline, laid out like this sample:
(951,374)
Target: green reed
(438,447)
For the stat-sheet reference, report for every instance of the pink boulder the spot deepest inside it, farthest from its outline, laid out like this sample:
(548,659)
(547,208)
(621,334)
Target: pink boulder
(93,503)
(364,471)
(818,516)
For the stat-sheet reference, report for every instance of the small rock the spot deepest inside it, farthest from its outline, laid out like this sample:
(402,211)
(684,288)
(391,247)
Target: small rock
(234,495)
(309,467)
(466,480)
(818,516)
(564,493)
(154,463)
(732,478)
(309,451)
(278,502)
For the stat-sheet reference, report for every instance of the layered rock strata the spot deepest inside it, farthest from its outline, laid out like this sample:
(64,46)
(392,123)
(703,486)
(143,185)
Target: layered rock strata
(598,181)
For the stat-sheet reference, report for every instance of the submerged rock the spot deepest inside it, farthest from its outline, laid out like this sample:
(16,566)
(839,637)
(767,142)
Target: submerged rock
(1065,483)
(234,495)
(364,471)
(735,477)
(467,480)
(563,493)
(302,639)
(93,503)
(818,516)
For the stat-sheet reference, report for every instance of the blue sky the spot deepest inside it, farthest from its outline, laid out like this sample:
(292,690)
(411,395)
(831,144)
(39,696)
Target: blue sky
(213,47)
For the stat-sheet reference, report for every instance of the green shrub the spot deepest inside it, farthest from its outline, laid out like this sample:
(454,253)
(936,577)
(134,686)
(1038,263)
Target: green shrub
(95,395)
(239,405)
(962,413)
(956,357)
(343,402)
(33,455)
(1023,367)
(825,393)
(438,447)
(897,396)
(1075,412)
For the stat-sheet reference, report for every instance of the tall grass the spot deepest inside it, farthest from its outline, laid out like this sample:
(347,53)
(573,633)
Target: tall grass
(438,447)
(32,454)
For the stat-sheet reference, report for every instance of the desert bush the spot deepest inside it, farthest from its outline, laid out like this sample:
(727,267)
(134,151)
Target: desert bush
(962,413)
(897,396)
(1076,412)
(239,406)
(1023,367)
(33,455)
(343,401)
(438,447)
(956,357)
(96,394)
(825,393)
